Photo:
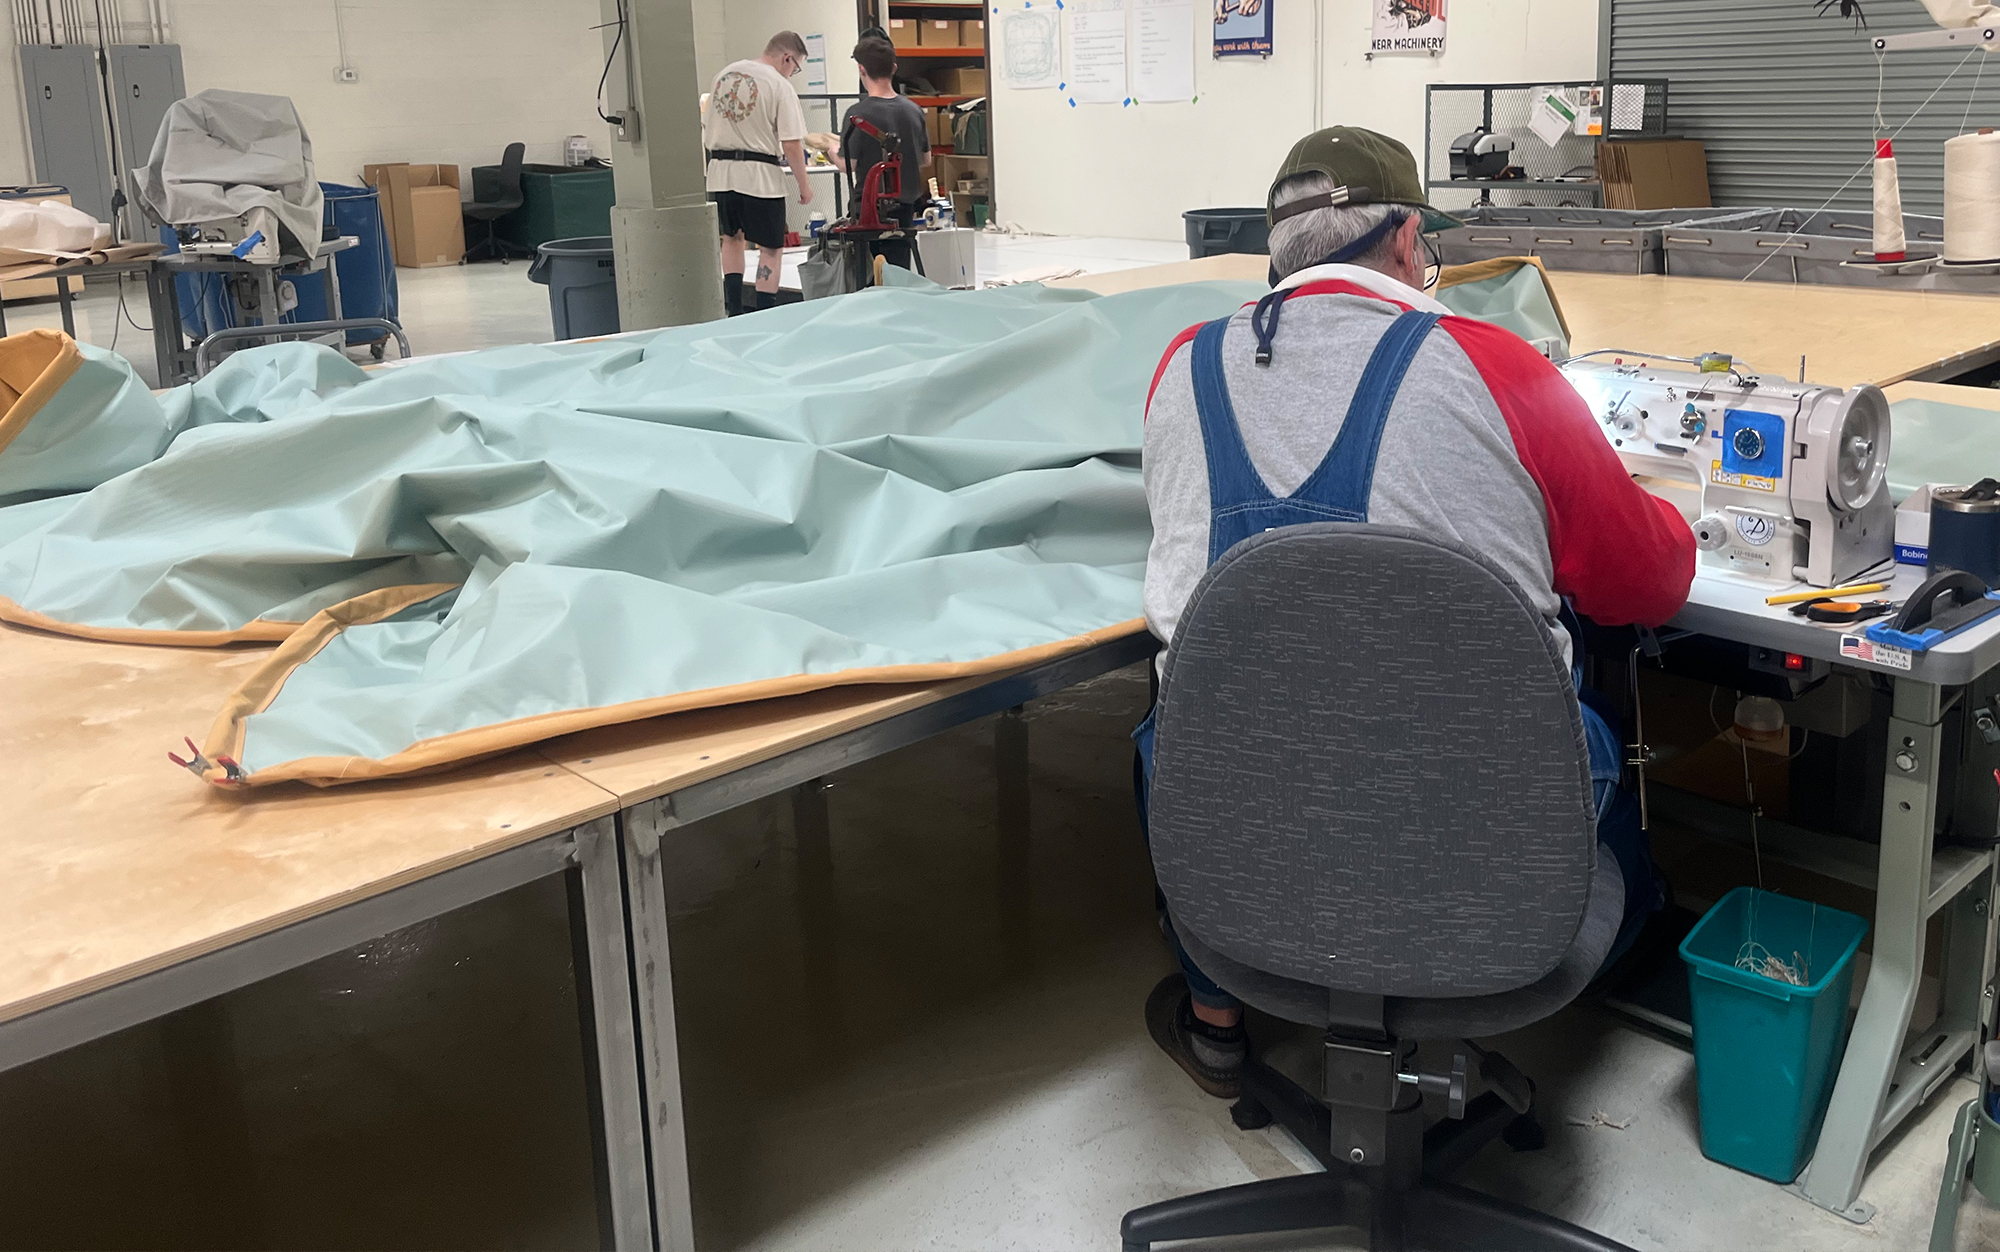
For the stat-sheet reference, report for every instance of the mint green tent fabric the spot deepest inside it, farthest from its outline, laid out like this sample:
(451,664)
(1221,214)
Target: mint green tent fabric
(1932,442)
(1518,300)
(903,477)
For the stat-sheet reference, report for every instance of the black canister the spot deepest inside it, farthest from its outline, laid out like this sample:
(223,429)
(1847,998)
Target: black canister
(1965,529)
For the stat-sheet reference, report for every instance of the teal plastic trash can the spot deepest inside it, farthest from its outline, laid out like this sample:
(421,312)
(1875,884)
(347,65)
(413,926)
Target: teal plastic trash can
(1766,1051)
(582,283)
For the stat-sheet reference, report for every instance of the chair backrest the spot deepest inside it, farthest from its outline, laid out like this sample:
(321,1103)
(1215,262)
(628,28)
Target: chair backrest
(1370,771)
(510,174)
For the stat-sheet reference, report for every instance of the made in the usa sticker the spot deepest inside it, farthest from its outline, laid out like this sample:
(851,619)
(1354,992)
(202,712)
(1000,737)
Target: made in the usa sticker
(1862,648)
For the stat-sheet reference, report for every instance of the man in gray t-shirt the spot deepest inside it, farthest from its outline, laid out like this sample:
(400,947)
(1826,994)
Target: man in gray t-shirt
(889,113)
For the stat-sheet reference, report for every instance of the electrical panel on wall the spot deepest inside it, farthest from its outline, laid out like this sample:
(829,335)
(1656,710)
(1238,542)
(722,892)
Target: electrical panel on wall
(145,79)
(66,123)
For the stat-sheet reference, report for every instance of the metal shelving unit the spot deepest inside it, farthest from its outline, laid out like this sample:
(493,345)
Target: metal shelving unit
(1631,108)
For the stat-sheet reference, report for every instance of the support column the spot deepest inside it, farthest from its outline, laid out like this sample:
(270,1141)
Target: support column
(663,230)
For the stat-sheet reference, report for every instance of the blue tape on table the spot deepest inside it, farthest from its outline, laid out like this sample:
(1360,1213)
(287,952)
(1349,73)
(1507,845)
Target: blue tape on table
(1924,640)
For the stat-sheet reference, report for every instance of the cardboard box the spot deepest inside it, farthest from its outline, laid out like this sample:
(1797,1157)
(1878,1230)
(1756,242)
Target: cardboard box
(934,33)
(422,212)
(964,81)
(938,124)
(903,32)
(1653,173)
(1913,526)
(972,33)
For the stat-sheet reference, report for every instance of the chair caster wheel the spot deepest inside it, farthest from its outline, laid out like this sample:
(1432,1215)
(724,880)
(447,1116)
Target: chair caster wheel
(1249,1115)
(1525,1134)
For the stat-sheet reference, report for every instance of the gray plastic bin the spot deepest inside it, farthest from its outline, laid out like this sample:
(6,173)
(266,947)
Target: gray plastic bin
(1211,232)
(582,283)
(1604,241)
(1793,246)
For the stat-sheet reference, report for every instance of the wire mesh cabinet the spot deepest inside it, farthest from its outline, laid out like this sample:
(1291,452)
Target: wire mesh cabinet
(1563,173)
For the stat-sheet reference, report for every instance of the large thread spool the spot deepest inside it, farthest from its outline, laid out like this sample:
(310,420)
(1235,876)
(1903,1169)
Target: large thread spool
(1889,239)
(1972,197)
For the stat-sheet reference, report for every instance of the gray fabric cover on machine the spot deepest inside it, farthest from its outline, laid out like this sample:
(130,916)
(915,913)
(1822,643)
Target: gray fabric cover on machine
(220,154)
(1371,777)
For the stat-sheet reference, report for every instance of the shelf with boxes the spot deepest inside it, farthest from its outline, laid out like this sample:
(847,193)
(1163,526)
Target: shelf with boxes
(941,51)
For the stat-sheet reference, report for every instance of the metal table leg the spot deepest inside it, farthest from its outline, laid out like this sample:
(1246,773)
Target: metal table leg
(589,854)
(640,829)
(604,998)
(62,300)
(1855,1120)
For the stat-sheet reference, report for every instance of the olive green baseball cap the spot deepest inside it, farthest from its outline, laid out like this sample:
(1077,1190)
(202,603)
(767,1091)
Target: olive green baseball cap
(1365,168)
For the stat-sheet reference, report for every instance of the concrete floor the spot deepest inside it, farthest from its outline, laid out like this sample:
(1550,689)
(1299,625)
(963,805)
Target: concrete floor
(933,1041)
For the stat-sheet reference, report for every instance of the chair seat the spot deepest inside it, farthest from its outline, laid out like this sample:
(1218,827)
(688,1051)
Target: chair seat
(1464,1017)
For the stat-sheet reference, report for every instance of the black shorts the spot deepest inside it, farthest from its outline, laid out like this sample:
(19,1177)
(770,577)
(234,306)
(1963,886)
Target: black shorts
(758,219)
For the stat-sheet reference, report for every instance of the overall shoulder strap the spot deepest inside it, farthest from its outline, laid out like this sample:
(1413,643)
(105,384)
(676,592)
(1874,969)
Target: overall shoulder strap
(1347,475)
(1232,478)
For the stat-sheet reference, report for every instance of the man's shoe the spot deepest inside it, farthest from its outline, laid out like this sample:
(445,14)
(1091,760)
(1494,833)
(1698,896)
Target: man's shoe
(1212,1055)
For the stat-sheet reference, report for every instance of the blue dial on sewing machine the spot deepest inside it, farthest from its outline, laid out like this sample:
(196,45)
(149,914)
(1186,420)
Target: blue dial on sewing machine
(1753,443)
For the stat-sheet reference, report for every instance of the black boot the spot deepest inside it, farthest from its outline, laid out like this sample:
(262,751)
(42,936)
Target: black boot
(732,294)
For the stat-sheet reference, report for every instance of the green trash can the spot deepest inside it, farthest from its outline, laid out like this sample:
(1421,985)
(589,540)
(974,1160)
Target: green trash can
(1766,1051)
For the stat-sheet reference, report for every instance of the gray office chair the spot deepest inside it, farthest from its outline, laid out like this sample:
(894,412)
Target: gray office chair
(1371,813)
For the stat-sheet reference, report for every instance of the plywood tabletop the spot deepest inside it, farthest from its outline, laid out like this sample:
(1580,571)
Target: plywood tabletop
(1229,267)
(639,761)
(113,863)
(1848,335)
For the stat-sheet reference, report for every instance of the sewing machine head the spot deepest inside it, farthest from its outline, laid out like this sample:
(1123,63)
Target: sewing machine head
(251,236)
(1790,475)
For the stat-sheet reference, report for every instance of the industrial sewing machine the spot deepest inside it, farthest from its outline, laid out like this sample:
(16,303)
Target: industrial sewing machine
(251,236)
(1790,475)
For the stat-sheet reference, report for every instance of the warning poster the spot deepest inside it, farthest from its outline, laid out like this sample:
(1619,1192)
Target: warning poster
(1409,26)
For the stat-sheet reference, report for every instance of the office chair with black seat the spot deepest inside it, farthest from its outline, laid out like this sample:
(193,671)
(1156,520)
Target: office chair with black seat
(1371,813)
(507,198)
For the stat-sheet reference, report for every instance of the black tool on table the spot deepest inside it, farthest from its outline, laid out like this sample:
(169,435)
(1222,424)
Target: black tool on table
(1948,600)
(1835,609)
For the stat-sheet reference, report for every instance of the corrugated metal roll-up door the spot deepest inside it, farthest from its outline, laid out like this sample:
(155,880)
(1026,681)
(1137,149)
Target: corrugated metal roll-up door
(1784,97)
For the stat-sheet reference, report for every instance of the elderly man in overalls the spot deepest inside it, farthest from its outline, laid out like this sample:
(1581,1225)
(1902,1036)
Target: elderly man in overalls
(1375,404)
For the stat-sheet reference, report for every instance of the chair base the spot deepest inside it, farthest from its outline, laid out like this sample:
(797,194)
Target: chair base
(1432,1217)
(495,247)
(1405,1204)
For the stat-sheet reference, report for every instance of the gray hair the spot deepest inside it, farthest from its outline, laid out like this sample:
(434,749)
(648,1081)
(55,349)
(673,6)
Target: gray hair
(1302,241)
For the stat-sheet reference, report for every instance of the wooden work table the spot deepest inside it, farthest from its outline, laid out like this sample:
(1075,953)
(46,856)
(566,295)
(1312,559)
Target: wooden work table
(113,863)
(1848,335)
(118,871)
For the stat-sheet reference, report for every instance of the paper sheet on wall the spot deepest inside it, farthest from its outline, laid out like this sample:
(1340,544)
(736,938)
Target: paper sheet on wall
(1163,71)
(1028,43)
(815,65)
(1096,37)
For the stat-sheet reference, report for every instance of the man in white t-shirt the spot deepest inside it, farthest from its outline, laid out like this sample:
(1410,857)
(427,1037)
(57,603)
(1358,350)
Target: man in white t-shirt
(752,123)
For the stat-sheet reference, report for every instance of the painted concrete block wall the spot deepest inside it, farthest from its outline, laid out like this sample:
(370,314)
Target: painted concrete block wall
(440,80)
(1112,170)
